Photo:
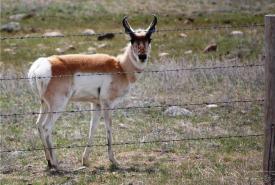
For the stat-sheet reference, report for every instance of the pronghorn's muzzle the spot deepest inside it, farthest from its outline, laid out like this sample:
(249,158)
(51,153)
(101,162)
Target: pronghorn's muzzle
(142,57)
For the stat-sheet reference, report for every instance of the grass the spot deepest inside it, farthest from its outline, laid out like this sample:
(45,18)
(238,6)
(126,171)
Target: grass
(225,161)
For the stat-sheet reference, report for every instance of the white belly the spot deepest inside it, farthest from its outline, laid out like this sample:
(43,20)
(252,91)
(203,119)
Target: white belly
(89,87)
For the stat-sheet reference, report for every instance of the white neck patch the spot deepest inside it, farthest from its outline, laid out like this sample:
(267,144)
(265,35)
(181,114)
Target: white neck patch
(135,60)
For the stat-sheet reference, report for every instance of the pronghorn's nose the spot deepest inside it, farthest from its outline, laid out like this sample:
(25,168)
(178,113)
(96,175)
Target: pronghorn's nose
(142,57)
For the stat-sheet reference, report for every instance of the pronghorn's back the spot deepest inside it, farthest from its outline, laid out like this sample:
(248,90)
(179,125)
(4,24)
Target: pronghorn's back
(70,64)
(97,63)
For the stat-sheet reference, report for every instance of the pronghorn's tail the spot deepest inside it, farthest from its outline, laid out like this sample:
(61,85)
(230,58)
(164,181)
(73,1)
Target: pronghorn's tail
(39,75)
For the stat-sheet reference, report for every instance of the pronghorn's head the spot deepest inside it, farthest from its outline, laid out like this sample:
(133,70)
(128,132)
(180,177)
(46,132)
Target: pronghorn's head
(140,40)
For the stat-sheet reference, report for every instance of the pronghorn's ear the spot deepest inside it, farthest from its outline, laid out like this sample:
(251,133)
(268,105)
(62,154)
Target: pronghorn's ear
(127,27)
(152,28)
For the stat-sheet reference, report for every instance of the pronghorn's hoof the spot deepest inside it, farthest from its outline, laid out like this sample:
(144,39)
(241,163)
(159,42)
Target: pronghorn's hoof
(85,162)
(52,166)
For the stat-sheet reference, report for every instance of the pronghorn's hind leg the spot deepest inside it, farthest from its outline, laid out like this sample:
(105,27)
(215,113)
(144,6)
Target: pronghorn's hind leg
(39,123)
(52,115)
(93,127)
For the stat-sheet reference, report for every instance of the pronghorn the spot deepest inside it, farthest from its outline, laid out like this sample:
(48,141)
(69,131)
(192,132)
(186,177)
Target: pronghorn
(75,77)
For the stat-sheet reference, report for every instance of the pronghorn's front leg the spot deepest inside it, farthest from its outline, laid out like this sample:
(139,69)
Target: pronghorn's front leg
(108,125)
(93,126)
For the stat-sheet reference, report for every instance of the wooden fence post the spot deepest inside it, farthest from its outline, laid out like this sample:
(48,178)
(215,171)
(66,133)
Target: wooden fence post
(269,150)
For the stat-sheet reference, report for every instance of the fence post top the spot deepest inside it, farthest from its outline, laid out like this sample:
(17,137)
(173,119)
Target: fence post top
(270,15)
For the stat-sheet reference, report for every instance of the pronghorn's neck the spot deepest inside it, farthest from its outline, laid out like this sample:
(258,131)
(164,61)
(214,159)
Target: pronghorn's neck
(129,64)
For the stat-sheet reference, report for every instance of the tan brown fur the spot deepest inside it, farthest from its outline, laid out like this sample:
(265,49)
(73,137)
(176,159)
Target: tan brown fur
(70,64)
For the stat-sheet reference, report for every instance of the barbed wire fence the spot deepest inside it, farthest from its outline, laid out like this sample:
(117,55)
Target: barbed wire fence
(136,107)
(213,27)
(215,137)
(146,71)
(139,142)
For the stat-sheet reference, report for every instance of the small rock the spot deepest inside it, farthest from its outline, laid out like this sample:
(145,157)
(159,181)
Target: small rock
(183,35)
(59,50)
(63,50)
(236,33)
(10,50)
(106,36)
(71,47)
(163,54)
(188,52)
(91,50)
(123,126)
(103,45)
(212,106)
(88,32)
(11,27)
(18,17)
(177,111)
(53,34)
(210,48)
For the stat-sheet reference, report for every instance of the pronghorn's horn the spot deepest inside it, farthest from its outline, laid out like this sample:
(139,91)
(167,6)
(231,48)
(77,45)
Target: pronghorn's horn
(151,29)
(127,27)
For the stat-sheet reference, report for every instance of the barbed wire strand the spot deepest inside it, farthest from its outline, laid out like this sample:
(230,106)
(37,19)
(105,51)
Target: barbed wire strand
(134,107)
(146,71)
(65,16)
(138,142)
(213,27)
